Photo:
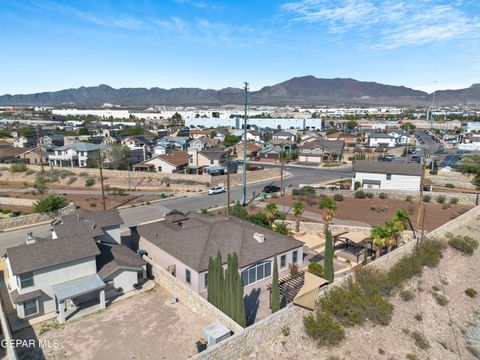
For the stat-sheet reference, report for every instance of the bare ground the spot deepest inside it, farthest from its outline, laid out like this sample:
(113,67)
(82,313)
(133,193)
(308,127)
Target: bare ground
(441,325)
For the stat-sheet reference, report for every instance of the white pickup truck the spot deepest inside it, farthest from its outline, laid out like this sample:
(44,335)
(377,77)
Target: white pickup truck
(216,190)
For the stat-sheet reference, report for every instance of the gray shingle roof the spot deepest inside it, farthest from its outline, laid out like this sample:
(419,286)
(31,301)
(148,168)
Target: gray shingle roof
(195,240)
(329,145)
(113,257)
(374,135)
(397,168)
(82,146)
(88,222)
(42,254)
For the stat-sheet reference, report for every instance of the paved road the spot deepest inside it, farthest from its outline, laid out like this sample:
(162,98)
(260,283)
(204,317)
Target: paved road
(140,214)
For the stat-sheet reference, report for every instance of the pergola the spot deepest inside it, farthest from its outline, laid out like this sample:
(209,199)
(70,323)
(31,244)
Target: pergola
(355,239)
(289,286)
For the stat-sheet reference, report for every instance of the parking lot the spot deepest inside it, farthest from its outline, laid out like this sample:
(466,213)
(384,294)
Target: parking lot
(145,326)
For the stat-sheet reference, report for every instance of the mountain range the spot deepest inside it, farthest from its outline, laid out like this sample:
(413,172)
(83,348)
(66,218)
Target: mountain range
(305,90)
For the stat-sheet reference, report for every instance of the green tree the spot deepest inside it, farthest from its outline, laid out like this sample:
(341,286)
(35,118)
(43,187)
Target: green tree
(26,131)
(470,164)
(41,184)
(230,140)
(329,207)
(298,209)
(281,228)
(476,181)
(275,300)
(176,120)
(237,304)
(271,212)
(379,235)
(351,124)
(211,296)
(117,157)
(220,282)
(239,211)
(329,270)
(50,203)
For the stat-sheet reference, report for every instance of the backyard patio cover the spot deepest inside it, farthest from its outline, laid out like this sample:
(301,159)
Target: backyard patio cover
(354,237)
(77,287)
(307,295)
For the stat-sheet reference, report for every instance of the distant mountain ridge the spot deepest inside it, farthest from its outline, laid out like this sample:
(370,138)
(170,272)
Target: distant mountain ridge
(305,90)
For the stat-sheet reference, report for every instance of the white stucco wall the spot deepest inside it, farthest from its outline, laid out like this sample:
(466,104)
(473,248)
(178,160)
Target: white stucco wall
(123,281)
(397,182)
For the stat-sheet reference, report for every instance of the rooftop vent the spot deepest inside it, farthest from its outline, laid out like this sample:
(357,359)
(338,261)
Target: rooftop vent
(30,238)
(259,237)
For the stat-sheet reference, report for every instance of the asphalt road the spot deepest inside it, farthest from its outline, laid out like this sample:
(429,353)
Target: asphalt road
(192,201)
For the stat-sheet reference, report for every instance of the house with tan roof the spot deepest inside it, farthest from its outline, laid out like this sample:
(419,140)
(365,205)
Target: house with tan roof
(171,163)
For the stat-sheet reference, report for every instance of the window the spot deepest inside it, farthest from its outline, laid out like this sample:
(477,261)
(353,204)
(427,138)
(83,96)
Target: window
(205,279)
(256,273)
(159,169)
(26,280)
(30,307)
(295,256)
(190,160)
(187,276)
(211,162)
(389,176)
(283,261)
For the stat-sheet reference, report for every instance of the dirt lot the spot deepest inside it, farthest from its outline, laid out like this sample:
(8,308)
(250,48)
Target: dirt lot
(145,326)
(455,274)
(376,211)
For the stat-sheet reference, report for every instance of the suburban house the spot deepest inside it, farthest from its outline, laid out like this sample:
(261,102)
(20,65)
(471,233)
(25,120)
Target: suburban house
(174,143)
(253,135)
(388,176)
(72,272)
(74,154)
(32,156)
(139,143)
(71,139)
(401,137)
(207,158)
(284,135)
(174,162)
(320,150)
(52,140)
(350,140)
(183,244)
(269,155)
(381,140)
(10,154)
(25,141)
(252,149)
(198,133)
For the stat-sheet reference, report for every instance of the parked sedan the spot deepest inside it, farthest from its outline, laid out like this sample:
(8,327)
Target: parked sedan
(271,189)
(216,190)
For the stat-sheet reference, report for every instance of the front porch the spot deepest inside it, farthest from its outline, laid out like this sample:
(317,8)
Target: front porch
(79,297)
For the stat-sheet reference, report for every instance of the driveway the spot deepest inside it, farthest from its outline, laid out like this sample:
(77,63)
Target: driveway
(145,326)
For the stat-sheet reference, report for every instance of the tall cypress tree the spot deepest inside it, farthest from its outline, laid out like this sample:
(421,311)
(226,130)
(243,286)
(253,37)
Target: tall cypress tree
(275,300)
(220,282)
(211,281)
(328,269)
(229,296)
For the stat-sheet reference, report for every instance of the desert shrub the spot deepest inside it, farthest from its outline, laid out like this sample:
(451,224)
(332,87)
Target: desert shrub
(322,328)
(453,200)
(409,198)
(17,168)
(306,190)
(407,295)
(40,183)
(441,199)
(71,180)
(259,219)
(420,340)
(433,172)
(83,174)
(381,351)
(50,203)
(465,244)
(6,211)
(311,201)
(90,182)
(369,195)
(427,198)
(359,194)
(382,195)
(411,357)
(440,298)
(471,292)
(316,269)
(281,227)
(239,211)
(419,317)
(30,172)
(450,186)
(93,204)
(338,197)
(357,185)
(281,216)
(435,288)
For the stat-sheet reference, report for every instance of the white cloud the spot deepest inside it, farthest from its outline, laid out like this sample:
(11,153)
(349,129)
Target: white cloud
(395,23)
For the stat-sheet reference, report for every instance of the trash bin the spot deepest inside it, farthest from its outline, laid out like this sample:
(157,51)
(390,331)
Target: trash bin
(162,196)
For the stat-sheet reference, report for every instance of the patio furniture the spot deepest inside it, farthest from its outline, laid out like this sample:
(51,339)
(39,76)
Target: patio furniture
(355,239)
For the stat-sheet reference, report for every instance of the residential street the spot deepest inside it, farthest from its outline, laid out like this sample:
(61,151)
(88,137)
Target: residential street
(193,201)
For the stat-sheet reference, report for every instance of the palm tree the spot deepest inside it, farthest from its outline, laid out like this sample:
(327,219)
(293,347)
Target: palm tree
(271,212)
(298,209)
(378,235)
(329,207)
(402,219)
(393,229)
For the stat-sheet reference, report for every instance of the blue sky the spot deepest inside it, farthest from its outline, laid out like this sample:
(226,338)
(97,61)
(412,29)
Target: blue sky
(52,45)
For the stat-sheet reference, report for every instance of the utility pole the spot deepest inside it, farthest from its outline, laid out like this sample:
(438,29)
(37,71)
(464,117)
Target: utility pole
(281,174)
(41,152)
(244,177)
(228,183)
(422,180)
(100,166)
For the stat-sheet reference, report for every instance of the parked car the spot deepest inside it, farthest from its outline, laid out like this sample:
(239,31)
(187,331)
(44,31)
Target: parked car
(390,157)
(256,168)
(216,190)
(271,189)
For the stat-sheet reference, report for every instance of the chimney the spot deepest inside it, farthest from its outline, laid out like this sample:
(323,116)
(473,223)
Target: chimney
(30,238)
(259,237)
